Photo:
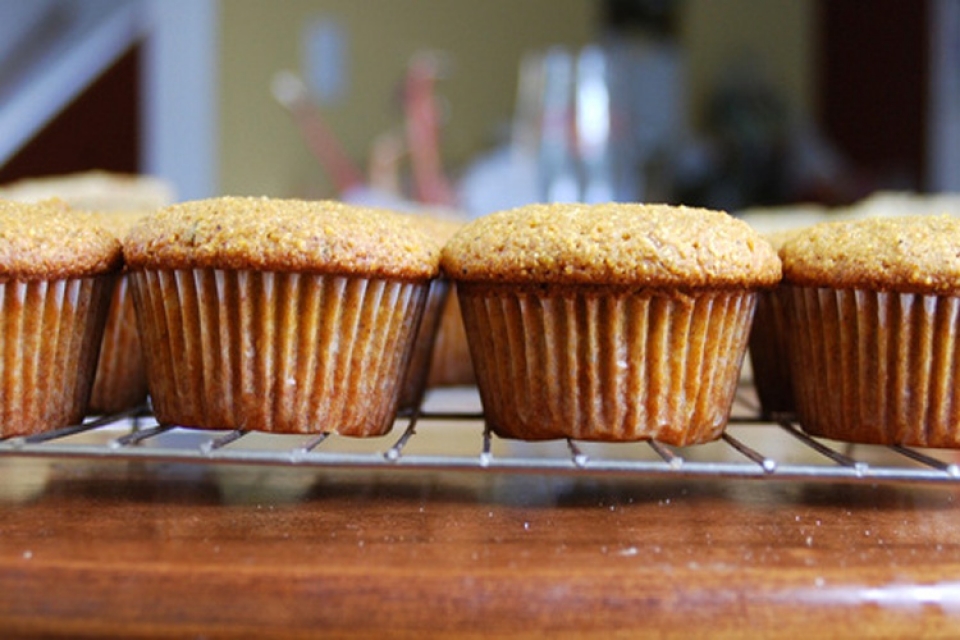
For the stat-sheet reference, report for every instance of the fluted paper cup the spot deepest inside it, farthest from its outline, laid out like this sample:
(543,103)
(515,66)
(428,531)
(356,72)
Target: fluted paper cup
(769,356)
(415,381)
(121,379)
(451,364)
(49,345)
(278,352)
(600,364)
(876,367)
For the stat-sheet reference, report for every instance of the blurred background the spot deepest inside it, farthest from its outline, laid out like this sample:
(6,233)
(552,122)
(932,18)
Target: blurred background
(482,105)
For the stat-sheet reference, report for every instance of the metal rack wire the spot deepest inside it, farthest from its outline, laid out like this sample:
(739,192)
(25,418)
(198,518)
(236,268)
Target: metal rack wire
(457,440)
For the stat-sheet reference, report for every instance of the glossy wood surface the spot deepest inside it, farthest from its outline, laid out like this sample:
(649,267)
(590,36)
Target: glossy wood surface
(134,549)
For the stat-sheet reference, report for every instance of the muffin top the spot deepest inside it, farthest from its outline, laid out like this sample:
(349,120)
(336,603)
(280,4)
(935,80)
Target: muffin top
(440,228)
(47,241)
(777,239)
(914,254)
(769,220)
(119,223)
(622,244)
(268,234)
(94,190)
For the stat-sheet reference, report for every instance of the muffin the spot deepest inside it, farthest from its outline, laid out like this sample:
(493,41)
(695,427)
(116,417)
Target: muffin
(782,218)
(120,382)
(873,314)
(608,322)
(767,349)
(451,364)
(94,190)
(424,351)
(278,315)
(57,272)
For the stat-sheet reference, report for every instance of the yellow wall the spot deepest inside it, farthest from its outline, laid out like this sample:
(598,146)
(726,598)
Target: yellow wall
(776,35)
(261,151)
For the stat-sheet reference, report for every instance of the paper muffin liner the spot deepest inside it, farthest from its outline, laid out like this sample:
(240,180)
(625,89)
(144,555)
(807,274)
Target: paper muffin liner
(769,356)
(280,352)
(451,364)
(606,365)
(120,382)
(52,331)
(415,382)
(876,367)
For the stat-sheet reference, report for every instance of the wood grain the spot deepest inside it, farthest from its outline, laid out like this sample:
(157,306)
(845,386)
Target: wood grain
(94,549)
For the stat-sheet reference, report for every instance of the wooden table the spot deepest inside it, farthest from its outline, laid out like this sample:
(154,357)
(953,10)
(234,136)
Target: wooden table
(95,548)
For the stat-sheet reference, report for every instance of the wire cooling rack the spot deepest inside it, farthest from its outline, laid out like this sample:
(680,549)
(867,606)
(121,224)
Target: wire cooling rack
(448,433)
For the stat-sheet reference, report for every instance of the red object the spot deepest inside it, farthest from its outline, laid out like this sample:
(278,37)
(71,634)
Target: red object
(423,133)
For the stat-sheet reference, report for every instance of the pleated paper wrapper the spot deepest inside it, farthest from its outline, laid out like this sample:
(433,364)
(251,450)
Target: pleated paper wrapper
(49,345)
(451,364)
(769,356)
(876,367)
(277,352)
(121,379)
(595,366)
(415,381)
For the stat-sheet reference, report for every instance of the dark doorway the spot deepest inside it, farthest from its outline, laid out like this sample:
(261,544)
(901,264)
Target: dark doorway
(100,129)
(872,86)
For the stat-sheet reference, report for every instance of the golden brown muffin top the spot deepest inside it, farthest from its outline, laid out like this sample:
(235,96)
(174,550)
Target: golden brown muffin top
(119,222)
(47,241)
(95,190)
(440,228)
(273,234)
(915,254)
(624,244)
(778,238)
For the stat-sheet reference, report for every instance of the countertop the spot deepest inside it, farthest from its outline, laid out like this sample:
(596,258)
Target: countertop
(97,548)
